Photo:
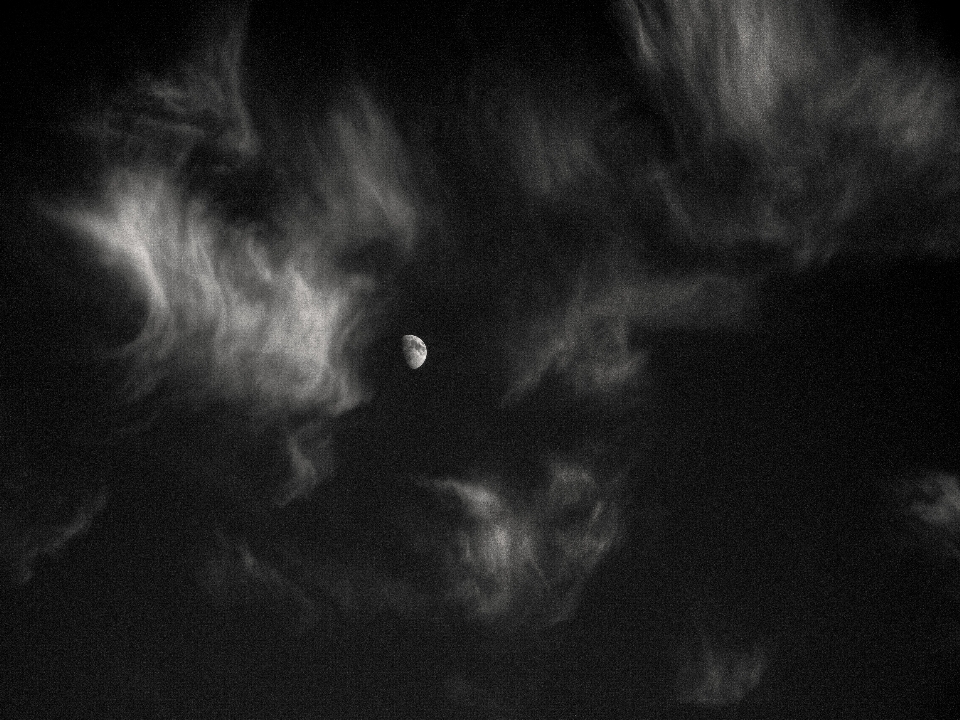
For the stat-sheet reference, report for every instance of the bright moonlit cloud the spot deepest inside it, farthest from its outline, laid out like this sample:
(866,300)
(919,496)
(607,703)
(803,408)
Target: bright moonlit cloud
(218,308)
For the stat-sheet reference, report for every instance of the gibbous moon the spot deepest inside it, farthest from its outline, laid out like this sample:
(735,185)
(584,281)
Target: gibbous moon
(414,351)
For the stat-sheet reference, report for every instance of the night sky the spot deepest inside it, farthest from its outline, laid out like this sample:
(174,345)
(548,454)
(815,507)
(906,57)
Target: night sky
(765,467)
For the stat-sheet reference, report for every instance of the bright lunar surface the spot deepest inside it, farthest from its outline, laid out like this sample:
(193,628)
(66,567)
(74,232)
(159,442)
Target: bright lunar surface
(414,351)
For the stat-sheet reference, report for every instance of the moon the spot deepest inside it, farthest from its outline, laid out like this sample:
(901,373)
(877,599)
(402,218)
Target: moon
(414,351)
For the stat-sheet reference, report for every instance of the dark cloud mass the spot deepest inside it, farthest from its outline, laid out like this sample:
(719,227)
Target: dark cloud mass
(685,442)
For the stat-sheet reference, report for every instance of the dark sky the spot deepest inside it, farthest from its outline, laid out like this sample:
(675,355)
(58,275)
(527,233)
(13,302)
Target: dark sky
(859,373)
